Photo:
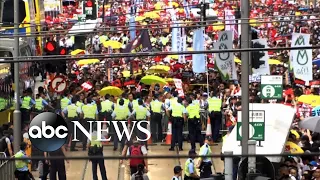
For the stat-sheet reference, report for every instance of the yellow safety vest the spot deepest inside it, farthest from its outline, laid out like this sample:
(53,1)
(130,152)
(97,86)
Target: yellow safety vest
(156,106)
(202,148)
(186,167)
(95,142)
(2,103)
(121,112)
(39,105)
(20,163)
(214,104)
(141,113)
(72,111)
(106,106)
(193,111)
(173,101)
(89,111)
(126,102)
(177,110)
(135,104)
(64,102)
(79,104)
(26,102)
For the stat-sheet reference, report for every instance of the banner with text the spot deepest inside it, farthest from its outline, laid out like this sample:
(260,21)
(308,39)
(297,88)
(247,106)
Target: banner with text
(225,61)
(301,59)
(179,88)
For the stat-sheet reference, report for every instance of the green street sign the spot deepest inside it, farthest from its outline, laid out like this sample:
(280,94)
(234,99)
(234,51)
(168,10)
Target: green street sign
(88,11)
(271,87)
(256,125)
(82,18)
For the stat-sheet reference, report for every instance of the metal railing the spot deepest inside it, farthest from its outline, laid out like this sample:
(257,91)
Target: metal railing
(7,168)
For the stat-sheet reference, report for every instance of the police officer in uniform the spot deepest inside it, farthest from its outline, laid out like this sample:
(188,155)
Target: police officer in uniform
(22,172)
(190,172)
(141,114)
(65,101)
(194,124)
(107,107)
(157,107)
(26,104)
(41,104)
(89,112)
(120,113)
(71,113)
(204,163)
(215,114)
(96,149)
(178,112)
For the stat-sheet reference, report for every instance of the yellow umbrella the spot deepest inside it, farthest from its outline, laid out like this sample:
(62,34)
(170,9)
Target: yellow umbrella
(160,67)
(274,62)
(150,79)
(237,60)
(151,15)
(127,74)
(173,4)
(293,148)
(111,90)
(158,6)
(219,26)
(169,80)
(88,61)
(112,44)
(77,51)
(140,18)
(313,100)
(173,56)
(254,22)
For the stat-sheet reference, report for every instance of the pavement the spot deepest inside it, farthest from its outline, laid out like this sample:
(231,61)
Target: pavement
(159,169)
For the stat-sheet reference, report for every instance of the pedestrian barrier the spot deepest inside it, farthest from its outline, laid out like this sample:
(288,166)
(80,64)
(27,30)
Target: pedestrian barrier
(7,168)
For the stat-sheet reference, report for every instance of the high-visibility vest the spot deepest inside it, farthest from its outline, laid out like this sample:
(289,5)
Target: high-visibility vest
(2,103)
(72,111)
(95,142)
(106,106)
(79,104)
(26,102)
(186,167)
(20,163)
(141,113)
(193,111)
(64,102)
(126,102)
(121,112)
(177,110)
(156,106)
(214,104)
(39,105)
(173,101)
(135,104)
(89,111)
(202,149)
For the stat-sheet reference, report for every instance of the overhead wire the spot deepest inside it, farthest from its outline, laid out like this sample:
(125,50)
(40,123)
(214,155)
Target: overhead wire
(141,54)
(128,28)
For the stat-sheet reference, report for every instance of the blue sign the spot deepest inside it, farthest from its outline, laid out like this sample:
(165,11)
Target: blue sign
(22,31)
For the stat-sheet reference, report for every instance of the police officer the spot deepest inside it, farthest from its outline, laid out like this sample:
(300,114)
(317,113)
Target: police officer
(178,112)
(194,124)
(204,163)
(107,107)
(41,104)
(141,114)
(65,101)
(120,113)
(157,107)
(214,109)
(89,112)
(26,104)
(96,149)
(71,113)
(80,99)
(22,172)
(190,172)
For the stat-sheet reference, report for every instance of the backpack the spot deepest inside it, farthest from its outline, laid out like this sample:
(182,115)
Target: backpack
(135,151)
(3,144)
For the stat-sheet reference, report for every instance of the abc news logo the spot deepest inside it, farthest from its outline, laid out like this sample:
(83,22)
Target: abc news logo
(48,131)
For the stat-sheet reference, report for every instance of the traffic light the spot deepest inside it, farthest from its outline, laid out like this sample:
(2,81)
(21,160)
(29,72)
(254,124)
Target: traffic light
(50,48)
(257,55)
(203,7)
(63,51)
(90,9)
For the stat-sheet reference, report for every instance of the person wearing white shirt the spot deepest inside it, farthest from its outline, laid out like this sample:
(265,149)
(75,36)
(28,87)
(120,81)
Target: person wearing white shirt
(177,170)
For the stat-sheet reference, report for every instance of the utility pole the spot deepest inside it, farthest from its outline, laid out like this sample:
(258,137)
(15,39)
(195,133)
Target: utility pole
(245,44)
(132,13)
(16,112)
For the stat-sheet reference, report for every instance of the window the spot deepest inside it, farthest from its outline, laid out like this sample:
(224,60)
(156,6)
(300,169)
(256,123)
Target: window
(8,12)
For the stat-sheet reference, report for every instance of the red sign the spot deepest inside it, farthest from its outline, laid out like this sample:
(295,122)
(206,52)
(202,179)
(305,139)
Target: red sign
(59,84)
(86,86)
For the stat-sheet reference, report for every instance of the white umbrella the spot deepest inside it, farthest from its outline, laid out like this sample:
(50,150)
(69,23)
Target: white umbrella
(311,123)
